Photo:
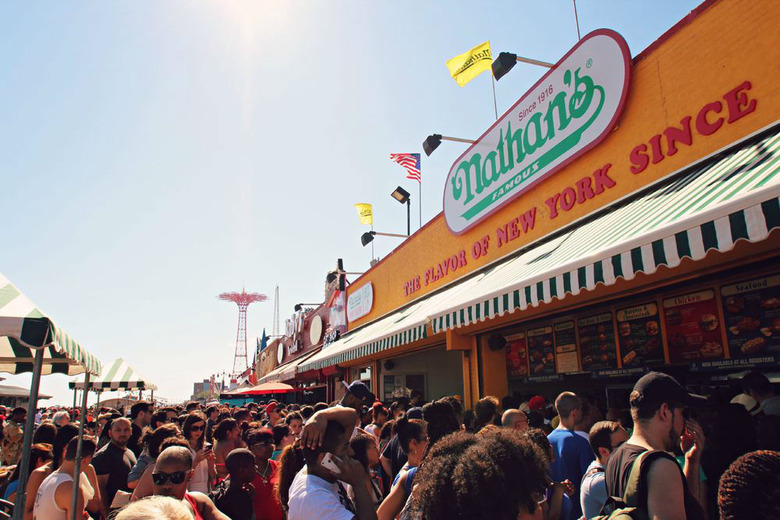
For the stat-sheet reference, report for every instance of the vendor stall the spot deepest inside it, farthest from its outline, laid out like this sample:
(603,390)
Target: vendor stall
(30,341)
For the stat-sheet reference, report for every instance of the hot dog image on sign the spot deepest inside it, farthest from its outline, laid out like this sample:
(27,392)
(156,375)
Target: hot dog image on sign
(568,112)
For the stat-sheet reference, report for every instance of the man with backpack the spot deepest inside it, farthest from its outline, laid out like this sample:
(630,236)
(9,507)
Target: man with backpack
(656,487)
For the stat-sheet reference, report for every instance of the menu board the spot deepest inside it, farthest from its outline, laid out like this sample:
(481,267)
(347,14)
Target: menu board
(597,342)
(516,355)
(540,351)
(752,316)
(639,335)
(693,327)
(566,347)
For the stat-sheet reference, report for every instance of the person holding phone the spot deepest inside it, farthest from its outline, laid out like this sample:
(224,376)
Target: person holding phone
(202,453)
(317,490)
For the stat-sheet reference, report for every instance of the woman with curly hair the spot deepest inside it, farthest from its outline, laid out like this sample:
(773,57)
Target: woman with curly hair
(499,476)
(750,488)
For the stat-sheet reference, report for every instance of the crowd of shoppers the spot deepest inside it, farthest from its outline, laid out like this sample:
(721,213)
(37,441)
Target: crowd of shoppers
(670,454)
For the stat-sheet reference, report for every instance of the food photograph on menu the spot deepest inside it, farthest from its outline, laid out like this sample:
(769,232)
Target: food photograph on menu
(639,335)
(752,316)
(693,327)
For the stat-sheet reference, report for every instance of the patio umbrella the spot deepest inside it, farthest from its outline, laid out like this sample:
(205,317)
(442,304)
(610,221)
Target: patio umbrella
(30,341)
(268,388)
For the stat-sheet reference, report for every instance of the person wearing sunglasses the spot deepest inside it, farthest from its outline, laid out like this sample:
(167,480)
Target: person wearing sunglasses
(172,473)
(266,503)
(202,453)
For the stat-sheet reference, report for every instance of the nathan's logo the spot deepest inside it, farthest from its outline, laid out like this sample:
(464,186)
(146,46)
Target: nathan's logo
(570,110)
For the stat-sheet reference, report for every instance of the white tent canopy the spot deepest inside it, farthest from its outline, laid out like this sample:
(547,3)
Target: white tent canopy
(117,376)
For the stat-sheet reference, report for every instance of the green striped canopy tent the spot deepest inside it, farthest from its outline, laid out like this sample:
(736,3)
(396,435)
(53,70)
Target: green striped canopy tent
(30,341)
(118,376)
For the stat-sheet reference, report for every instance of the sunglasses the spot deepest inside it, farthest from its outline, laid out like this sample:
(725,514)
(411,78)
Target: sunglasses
(196,428)
(177,477)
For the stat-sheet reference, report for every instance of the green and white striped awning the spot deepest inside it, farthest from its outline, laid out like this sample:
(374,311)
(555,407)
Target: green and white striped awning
(23,328)
(713,205)
(118,376)
(729,197)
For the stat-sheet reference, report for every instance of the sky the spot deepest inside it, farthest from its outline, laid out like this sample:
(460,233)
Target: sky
(154,154)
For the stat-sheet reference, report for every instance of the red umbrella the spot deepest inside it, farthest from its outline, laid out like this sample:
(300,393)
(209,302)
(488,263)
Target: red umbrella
(267,388)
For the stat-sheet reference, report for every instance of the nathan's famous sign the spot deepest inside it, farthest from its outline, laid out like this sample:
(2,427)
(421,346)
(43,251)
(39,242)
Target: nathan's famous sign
(568,112)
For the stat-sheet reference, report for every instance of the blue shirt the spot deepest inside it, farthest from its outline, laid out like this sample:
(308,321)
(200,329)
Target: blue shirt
(573,455)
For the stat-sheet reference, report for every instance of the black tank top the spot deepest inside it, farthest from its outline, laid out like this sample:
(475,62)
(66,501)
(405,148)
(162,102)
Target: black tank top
(619,468)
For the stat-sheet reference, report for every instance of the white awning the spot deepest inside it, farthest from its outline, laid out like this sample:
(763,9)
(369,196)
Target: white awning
(288,370)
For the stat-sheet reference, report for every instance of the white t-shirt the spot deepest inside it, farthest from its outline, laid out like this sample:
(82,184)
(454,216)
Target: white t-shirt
(312,497)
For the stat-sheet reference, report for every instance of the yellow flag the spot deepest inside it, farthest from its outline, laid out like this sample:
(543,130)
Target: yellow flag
(469,65)
(365,213)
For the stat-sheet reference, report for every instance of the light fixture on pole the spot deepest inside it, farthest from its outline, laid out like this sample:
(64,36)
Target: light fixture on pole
(507,60)
(368,237)
(402,196)
(299,306)
(433,141)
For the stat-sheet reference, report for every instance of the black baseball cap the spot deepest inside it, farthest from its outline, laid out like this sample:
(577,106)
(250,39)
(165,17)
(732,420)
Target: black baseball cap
(360,390)
(657,387)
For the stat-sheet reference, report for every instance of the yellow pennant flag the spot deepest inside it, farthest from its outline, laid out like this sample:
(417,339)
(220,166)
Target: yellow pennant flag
(469,65)
(365,213)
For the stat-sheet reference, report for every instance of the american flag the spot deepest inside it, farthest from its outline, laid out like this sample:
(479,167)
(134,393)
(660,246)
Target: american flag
(411,162)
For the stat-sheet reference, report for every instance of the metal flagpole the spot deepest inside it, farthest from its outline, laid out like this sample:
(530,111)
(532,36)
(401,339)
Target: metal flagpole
(79,447)
(576,19)
(495,105)
(419,186)
(29,424)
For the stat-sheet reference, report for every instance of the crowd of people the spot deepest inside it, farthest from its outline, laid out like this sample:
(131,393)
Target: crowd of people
(669,454)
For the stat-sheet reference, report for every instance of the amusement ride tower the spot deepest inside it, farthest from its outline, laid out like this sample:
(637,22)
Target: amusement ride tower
(243,300)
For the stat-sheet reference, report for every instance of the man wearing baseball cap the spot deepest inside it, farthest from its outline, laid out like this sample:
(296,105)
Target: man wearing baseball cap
(358,395)
(660,408)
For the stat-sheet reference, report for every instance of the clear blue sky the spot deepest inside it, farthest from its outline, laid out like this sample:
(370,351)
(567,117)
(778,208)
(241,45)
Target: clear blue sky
(156,153)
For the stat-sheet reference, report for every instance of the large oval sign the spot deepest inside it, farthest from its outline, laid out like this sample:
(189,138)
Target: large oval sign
(568,112)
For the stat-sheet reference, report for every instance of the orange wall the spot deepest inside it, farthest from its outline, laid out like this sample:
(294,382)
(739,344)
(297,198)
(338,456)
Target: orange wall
(728,43)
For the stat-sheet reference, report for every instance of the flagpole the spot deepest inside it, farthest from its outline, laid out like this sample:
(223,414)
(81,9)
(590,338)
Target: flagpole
(495,105)
(419,186)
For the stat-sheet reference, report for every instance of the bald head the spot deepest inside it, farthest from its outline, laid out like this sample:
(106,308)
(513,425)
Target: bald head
(175,457)
(514,419)
(121,422)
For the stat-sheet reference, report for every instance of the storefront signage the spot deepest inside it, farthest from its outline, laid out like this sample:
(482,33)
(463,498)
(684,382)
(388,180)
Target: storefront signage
(752,316)
(360,302)
(771,360)
(693,327)
(568,112)
(619,372)
(545,379)
(279,353)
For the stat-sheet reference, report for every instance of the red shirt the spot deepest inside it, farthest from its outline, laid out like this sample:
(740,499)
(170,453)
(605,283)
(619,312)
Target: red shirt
(267,507)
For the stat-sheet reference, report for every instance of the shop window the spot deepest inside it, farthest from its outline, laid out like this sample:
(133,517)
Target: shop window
(362,374)
(401,385)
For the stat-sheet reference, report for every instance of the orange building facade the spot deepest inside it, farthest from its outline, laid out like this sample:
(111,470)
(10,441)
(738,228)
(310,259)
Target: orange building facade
(652,248)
